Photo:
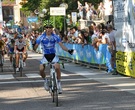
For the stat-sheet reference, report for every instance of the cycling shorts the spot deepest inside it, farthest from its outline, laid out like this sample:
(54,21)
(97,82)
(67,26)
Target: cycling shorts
(49,57)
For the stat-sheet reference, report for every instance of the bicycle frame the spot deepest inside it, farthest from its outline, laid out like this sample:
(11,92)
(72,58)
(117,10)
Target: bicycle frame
(20,62)
(53,86)
(13,62)
(53,83)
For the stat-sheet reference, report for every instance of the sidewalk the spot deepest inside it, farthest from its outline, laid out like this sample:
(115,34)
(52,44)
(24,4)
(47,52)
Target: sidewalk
(123,83)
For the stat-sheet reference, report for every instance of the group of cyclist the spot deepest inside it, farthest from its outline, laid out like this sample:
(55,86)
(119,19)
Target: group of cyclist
(13,45)
(47,39)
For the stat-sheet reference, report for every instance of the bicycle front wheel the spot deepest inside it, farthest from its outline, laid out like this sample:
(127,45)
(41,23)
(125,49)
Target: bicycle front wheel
(55,90)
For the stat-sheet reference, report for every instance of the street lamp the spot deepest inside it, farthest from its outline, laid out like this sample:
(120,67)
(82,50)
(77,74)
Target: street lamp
(42,15)
(65,5)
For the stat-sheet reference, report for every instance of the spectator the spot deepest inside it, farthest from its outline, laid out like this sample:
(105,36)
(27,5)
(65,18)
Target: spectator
(112,46)
(74,31)
(104,37)
(94,39)
(87,37)
(19,30)
(108,11)
(80,7)
(80,38)
(101,10)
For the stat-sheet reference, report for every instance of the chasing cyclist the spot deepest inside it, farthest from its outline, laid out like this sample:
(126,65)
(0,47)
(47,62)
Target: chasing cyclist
(2,46)
(20,46)
(10,49)
(48,40)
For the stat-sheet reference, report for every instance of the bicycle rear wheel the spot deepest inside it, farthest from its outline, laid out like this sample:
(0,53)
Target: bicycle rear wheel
(1,63)
(21,68)
(55,90)
(21,71)
(14,65)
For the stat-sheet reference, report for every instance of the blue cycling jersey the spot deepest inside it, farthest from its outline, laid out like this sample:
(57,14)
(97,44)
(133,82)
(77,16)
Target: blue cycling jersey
(48,42)
(10,47)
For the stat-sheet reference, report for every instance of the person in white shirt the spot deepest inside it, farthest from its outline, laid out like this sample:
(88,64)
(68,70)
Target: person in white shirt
(80,7)
(108,11)
(112,48)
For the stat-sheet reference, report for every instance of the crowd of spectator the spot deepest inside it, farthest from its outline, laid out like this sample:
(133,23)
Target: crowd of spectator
(94,35)
(104,11)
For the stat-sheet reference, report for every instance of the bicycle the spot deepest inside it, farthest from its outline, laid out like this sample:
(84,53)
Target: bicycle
(53,83)
(20,63)
(13,62)
(1,61)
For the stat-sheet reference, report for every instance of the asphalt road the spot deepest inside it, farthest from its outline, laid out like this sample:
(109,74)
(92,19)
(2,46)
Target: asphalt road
(83,89)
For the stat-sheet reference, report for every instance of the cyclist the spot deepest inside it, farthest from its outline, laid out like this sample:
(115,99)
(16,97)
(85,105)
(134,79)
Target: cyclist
(20,46)
(10,49)
(2,45)
(48,40)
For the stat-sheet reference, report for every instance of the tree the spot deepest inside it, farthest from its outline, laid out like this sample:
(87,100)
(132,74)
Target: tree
(32,5)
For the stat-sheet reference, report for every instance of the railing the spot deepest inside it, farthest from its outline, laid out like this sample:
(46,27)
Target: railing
(84,55)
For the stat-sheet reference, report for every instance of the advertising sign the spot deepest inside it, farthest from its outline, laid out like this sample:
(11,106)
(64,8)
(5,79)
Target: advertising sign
(124,19)
(32,19)
(1,16)
(74,17)
(124,22)
(56,11)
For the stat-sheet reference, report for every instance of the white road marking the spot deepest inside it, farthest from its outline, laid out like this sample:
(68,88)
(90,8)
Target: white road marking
(38,81)
(62,74)
(33,75)
(2,77)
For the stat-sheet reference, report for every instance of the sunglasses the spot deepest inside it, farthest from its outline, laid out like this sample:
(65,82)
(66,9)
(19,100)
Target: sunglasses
(48,27)
(20,38)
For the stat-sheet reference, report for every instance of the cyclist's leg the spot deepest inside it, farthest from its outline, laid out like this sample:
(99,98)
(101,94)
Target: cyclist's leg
(58,71)
(57,68)
(25,55)
(42,70)
(42,67)
(17,59)
(10,57)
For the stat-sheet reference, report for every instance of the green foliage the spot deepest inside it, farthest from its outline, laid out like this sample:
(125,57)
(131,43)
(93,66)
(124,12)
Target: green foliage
(59,22)
(8,1)
(32,5)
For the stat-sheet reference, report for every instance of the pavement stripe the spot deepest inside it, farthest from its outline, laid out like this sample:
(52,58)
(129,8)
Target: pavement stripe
(33,75)
(62,74)
(2,77)
(28,75)
(38,81)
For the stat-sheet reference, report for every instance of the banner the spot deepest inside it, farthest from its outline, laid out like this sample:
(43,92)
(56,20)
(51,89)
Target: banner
(124,22)
(32,19)
(86,53)
(57,11)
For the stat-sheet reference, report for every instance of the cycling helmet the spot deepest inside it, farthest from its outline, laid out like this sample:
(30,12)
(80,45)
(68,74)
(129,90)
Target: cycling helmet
(19,36)
(12,41)
(48,24)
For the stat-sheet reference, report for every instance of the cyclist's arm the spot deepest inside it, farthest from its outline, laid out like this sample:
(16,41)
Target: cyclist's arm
(35,47)
(15,48)
(24,46)
(63,47)
(38,41)
(7,48)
